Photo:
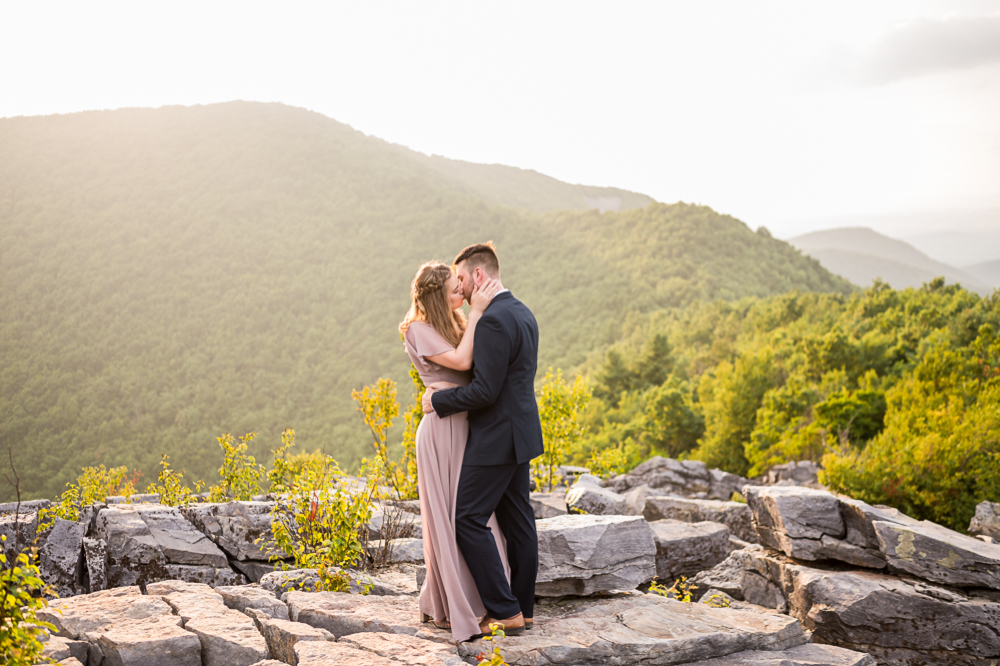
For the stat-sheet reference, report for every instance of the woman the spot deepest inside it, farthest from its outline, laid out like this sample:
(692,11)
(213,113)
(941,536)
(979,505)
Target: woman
(439,342)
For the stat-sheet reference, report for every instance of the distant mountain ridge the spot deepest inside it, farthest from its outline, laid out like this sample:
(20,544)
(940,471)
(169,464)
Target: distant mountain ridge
(987,272)
(172,274)
(862,255)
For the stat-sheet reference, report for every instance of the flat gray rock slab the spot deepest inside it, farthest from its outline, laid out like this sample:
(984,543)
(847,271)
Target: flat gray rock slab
(74,617)
(683,549)
(548,505)
(811,654)
(242,597)
(314,653)
(937,554)
(581,555)
(154,641)
(402,550)
(640,629)
(405,649)
(987,520)
(58,648)
(734,515)
(898,621)
(587,496)
(344,614)
(283,635)
(808,524)
(726,576)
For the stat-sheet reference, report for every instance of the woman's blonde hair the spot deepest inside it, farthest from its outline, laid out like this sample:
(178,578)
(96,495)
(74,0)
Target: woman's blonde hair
(429,303)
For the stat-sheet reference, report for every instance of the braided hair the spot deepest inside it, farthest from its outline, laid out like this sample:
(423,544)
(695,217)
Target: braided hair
(429,303)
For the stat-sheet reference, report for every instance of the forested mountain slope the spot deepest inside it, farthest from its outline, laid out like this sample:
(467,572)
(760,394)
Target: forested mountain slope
(171,274)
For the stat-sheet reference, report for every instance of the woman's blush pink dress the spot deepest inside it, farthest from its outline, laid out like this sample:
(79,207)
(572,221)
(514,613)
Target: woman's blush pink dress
(449,593)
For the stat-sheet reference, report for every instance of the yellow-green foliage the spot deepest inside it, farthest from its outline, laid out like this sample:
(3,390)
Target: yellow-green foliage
(494,657)
(20,597)
(608,463)
(681,590)
(890,388)
(939,454)
(170,486)
(94,484)
(378,407)
(559,407)
(240,474)
(322,521)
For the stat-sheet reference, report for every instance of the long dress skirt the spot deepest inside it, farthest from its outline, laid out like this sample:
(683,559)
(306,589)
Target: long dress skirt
(449,593)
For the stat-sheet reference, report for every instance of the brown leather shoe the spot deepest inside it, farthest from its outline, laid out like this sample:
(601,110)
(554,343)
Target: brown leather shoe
(512,626)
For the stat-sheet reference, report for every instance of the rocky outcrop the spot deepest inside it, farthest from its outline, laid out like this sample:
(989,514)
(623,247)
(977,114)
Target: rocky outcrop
(726,576)
(686,478)
(240,529)
(986,522)
(402,648)
(801,473)
(683,549)
(814,525)
(283,635)
(345,614)
(399,550)
(243,597)
(641,629)
(151,542)
(940,555)
(587,496)
(60,563)
(899,621)
(581,555)
(735,515)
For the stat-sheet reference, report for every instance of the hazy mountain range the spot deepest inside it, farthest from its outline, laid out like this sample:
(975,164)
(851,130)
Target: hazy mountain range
(172,274)
(862,255)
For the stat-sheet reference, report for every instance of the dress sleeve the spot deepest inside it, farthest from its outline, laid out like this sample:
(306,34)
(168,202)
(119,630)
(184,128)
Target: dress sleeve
(426,341)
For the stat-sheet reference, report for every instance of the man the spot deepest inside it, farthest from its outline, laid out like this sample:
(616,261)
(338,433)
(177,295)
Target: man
(504,435)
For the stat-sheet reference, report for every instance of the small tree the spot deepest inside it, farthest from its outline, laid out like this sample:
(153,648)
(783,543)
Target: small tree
(378,407)
(240,472)
(170,485)
(559,407)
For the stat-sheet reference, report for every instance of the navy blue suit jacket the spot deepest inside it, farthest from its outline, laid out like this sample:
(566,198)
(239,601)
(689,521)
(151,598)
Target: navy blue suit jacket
(503,415)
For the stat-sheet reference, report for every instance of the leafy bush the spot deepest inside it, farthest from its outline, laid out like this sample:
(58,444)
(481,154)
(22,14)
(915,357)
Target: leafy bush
(21,591)
(559,407)
(171,487)
(95,484)
(240,474)
(321,520)
(378,407)
(608,463)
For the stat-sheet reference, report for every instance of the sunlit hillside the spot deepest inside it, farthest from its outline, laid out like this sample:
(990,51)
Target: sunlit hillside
(171,274)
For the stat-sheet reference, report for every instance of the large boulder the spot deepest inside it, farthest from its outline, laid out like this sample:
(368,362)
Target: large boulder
(150,542)
(587,496)
(398,550)
(683,549)
(899,621)
(282,635)
(734,515)
(987,520)
(726,576)
(640,629)
(20,530)
(153,641)
(60,564)
(813,525)
(581,555)
(95,561)
(935,553)
(686,478)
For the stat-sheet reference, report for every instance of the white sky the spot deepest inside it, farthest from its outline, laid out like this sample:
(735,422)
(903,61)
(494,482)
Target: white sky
(795,115)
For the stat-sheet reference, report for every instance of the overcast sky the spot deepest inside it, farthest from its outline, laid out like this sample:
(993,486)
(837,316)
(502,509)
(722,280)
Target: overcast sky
(794,115)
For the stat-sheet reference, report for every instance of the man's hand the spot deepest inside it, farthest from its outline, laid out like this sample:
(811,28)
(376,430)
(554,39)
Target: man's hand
(428,407)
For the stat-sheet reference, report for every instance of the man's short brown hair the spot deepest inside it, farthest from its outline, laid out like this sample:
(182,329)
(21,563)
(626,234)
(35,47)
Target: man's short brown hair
(480,255)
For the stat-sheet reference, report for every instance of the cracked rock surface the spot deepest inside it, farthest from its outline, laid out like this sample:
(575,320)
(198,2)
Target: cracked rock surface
(581,555)
(734,515)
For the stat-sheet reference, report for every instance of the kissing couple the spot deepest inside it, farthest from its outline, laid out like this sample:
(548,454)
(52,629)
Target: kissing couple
(475,443)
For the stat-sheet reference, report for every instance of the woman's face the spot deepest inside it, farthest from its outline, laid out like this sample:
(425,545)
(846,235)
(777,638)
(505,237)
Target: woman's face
(453,290)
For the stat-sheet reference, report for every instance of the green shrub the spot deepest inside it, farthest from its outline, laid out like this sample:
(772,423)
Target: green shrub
(171,487)
(21,591)
(240,474)
(378,407)
(95,484)
(559,406)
